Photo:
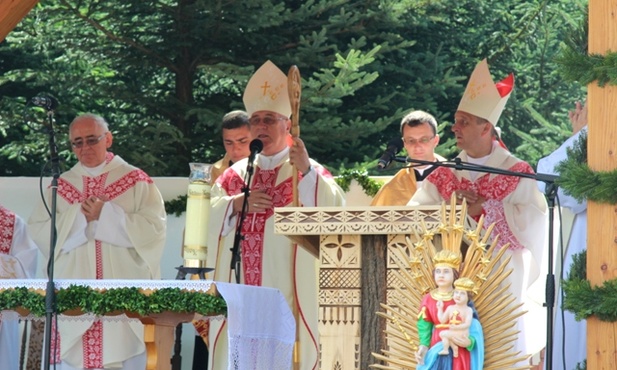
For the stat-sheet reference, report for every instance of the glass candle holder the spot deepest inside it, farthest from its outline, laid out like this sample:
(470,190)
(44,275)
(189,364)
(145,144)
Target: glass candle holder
(195,248)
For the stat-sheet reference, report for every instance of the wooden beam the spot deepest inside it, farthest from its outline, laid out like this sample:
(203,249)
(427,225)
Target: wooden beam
(11,13)
(602,152)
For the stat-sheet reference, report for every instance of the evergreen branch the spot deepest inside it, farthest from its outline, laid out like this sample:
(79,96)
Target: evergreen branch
(370,186)
(581,182)
(584,300)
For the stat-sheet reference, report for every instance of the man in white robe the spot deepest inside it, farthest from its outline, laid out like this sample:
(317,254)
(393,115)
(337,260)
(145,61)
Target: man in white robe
(236,133)
(111,224)
(570,336)
(514,204)
(18,258)
(268,259)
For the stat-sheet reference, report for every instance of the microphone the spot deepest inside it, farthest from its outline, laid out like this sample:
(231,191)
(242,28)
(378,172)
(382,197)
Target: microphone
(394,146)
(48,102)
(255,146)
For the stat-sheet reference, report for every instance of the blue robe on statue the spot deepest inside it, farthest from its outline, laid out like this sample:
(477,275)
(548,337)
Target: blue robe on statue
(434,361)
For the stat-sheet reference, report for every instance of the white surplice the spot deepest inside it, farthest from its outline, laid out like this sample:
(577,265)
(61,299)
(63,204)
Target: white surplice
(268,259)
(125,243)
(569,343)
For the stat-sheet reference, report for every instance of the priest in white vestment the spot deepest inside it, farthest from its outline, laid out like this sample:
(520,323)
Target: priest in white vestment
(18,256)
(570,336)
(514,204)
(268,259)
(111,224)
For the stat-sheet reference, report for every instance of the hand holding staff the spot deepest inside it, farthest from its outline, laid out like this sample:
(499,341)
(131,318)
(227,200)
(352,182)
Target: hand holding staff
(294,88)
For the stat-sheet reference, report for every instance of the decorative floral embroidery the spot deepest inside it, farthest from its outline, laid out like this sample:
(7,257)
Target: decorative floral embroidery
(93,346)
(96,186)
(7,228)
(494,190)
(255,223)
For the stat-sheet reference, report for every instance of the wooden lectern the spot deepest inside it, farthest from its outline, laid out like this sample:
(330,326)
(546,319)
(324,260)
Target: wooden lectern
(355,271)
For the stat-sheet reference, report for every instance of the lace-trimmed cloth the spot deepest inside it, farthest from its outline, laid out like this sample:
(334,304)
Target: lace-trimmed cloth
(261,327)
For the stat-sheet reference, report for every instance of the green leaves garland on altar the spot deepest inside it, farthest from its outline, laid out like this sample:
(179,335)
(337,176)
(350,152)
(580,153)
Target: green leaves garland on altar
(80,299)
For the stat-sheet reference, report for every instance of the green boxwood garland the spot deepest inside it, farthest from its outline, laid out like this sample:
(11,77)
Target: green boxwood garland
(113,301)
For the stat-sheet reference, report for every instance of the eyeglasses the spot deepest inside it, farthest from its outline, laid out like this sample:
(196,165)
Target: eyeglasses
(268,121)
(90,141)
(423,140)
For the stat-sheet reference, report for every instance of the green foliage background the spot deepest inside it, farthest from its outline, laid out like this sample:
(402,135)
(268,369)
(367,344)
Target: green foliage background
(163,73)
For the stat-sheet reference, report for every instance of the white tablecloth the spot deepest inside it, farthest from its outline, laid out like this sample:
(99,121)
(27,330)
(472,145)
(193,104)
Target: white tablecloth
(261,327)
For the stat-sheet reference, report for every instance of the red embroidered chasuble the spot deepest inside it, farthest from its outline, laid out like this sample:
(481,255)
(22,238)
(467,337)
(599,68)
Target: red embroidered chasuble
(494,190)
(96,186)
(254,225)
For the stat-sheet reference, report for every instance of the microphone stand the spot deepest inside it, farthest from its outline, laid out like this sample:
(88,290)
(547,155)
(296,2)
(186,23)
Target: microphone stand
(550,194)
(50,292)
(238,237)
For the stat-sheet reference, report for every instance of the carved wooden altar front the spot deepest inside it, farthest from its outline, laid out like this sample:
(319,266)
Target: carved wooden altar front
(355,273)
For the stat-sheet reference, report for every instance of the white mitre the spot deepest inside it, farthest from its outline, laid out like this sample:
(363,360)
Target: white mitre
(483,98)
(267,90)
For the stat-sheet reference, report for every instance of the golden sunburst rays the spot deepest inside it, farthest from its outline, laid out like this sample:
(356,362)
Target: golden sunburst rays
(483,263)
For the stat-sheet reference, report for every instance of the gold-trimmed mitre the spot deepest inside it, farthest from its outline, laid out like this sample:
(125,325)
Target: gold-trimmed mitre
(267,90)
(446,258)
(483,98)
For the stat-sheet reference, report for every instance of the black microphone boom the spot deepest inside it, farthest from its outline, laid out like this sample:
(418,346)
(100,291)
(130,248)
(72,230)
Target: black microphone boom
(394,146)
(48,102)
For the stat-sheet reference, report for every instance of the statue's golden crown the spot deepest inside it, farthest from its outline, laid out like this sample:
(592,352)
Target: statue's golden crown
(465,284)
(447,258)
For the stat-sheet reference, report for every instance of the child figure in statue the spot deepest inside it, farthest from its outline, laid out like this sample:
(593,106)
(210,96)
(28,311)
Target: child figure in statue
(469,347)
(456,318)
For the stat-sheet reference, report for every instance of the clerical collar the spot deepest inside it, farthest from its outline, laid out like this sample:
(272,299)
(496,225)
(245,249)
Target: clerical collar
(94,171)
(269,162)
(422,173)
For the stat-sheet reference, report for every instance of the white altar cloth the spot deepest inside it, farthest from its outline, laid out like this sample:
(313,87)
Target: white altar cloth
(261,327)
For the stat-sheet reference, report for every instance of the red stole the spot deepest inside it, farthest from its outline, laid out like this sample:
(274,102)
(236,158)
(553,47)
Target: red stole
(92,339)
(254,225)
